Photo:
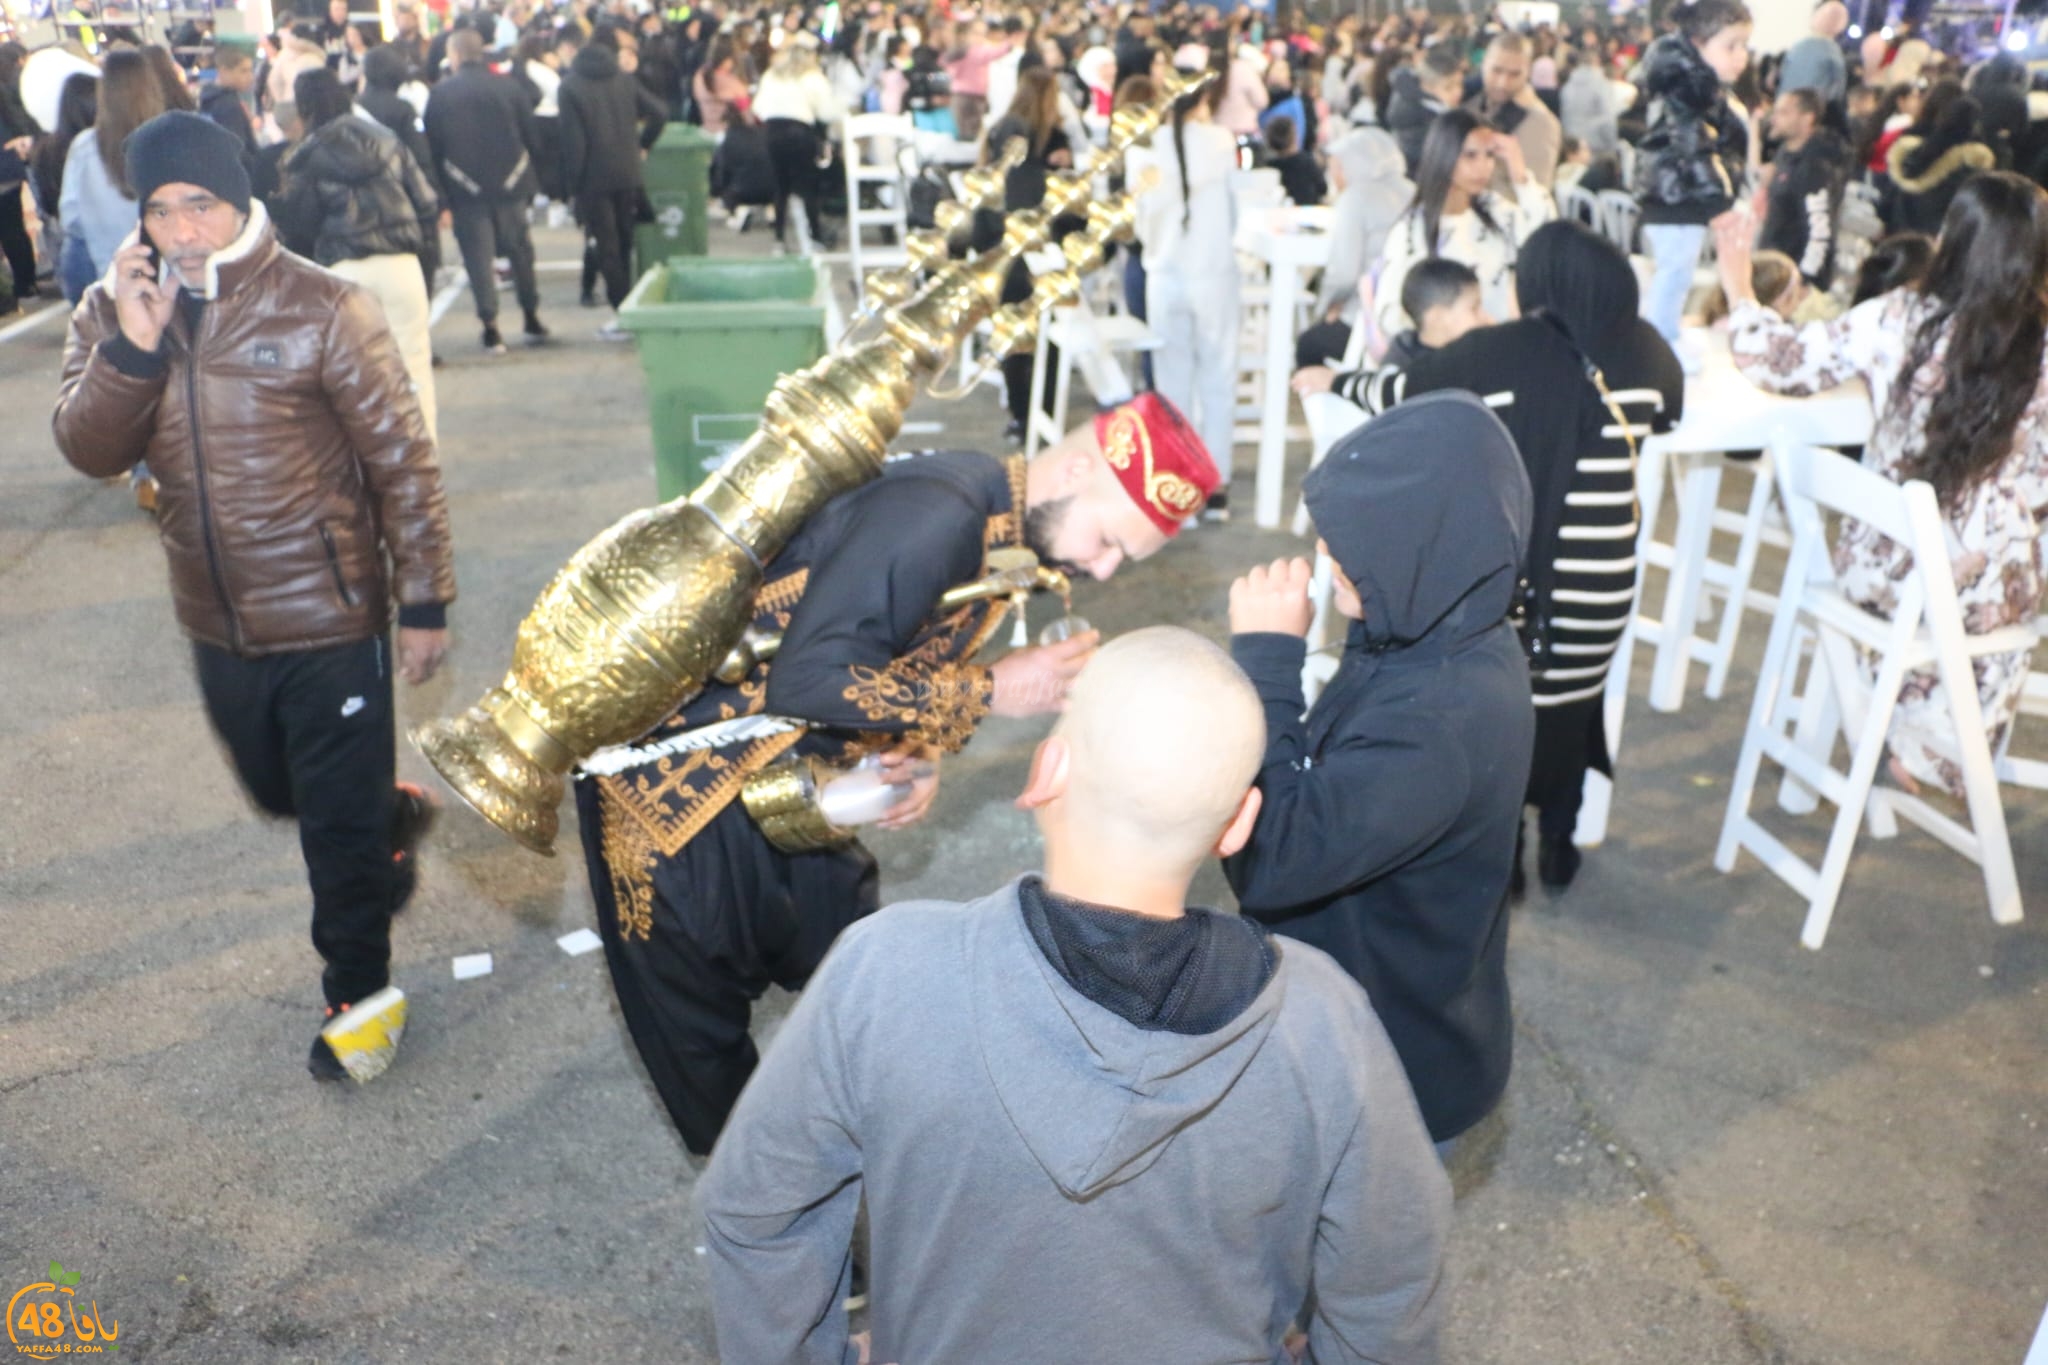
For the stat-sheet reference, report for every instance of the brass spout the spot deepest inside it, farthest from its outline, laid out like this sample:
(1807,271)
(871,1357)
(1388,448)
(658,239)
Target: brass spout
(1007,583)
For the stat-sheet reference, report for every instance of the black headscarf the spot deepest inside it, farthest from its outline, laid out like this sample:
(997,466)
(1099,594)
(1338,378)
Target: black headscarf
(1583,283)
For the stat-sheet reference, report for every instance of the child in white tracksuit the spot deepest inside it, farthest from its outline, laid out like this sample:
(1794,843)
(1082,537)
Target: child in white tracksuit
(1186,223)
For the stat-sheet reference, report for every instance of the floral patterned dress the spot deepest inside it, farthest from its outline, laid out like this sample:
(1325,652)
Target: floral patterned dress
(1994,534)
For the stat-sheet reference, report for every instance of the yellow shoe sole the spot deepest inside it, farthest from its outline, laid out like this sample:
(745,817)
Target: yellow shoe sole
(364,1038)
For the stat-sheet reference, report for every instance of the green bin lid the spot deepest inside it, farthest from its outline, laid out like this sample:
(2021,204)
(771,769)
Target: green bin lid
(699,294)
(685,136)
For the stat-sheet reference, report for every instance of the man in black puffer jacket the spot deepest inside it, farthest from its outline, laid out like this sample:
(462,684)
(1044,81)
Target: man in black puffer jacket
(1421,95)
(384,70)
(354,200)
(483,144)
(608,119)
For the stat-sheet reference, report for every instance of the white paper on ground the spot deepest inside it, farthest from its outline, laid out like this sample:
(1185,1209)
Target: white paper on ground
(581,942)
(475,964)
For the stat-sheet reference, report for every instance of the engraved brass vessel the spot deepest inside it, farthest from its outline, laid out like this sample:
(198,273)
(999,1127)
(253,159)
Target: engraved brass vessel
(634,623)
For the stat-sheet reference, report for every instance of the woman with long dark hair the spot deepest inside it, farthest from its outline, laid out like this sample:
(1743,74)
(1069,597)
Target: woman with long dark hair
(78,104)
(718,87)
(96,204)
(1455,215)
(1187,223)
(1033,118)
(357,202)
(1958,374)
(1579,380)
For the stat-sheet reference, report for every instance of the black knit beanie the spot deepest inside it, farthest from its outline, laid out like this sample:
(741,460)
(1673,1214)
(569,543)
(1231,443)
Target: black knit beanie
(178,148)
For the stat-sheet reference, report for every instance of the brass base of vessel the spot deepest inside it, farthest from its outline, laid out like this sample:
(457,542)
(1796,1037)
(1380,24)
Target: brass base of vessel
(492,777)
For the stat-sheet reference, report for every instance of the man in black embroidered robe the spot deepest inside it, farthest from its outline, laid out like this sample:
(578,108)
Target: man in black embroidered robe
(699,912)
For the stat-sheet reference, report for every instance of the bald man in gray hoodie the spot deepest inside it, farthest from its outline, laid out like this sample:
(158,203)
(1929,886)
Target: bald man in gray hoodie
(1090,1122)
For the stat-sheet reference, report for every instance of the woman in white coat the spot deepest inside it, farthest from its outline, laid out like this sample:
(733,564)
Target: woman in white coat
(1456,216)
(1186,223)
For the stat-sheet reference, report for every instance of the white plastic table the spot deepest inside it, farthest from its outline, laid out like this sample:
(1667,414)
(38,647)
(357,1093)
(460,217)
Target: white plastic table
(1290,241)
(1724,412)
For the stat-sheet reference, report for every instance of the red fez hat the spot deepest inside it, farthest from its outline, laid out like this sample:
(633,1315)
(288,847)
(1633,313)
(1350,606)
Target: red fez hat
(1157,457)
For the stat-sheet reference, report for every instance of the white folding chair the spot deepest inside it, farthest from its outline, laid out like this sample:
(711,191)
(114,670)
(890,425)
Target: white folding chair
(1091,343)
(1332,411)
(1582,206)
(1619,216)
(1330,419)
(1798,730)
(872,147)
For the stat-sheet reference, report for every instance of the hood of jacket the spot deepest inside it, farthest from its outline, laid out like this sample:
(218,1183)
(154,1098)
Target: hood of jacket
(1583,282)
(1427,509)
(1674,71)
(1369,156)
(595,62)
(1096,1099)
(351,150)
(1917,168)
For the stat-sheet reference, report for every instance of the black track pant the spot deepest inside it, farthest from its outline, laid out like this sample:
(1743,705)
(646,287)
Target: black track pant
(608,220)
(311,735)
(19,251)
(729,916)
(793,148)
(486,231)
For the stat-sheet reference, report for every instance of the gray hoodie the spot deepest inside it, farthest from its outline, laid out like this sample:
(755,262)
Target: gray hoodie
(1048,1182)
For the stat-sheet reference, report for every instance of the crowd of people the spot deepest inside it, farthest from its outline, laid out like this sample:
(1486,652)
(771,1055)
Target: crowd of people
(1079,1061)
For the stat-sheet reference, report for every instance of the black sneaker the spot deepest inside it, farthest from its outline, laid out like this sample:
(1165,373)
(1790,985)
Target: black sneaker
(411,818)
(322,1062)
(1218,506)
(1013,432)
(588,298)
(493,342)
(537,333)
(1557,862)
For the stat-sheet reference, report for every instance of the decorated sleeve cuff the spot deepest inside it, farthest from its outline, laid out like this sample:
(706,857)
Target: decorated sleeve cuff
(423,616)
(957,698)
(131,360)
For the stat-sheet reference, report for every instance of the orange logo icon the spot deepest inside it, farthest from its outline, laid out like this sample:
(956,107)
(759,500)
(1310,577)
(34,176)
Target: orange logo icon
(44,1320)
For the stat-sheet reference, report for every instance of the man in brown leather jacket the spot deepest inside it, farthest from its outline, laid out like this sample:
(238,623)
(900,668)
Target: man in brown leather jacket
(299,495)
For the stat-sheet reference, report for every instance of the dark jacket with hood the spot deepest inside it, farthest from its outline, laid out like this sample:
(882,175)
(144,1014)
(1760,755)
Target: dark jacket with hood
(1390,811)
(1695,155)
(482,137)
(1409,114)
(351,190)
(225,107)
(1025,1140)
(607,119)
(1928,169)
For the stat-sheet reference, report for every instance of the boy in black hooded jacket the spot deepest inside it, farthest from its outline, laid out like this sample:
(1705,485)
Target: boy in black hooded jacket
(1390,810)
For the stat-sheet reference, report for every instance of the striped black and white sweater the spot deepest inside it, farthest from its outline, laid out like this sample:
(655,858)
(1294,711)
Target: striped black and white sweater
(1582,551)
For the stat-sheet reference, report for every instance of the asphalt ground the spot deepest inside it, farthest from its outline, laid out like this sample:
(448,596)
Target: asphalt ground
(1717,1145)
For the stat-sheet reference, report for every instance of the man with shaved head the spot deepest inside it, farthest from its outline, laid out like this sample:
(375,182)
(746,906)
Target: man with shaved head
(1089,1121)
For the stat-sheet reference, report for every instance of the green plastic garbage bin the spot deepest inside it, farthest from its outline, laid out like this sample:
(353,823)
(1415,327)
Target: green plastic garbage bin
(678,179)
(714,335)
